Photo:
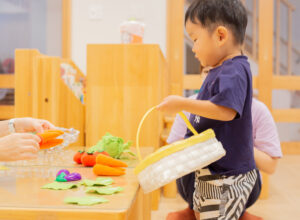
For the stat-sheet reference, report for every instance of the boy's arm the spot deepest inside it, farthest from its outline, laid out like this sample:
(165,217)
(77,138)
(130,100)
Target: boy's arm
(210,110)
(265,162)
(174,104)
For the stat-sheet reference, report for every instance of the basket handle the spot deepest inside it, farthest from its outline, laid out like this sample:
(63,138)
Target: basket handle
(181,114)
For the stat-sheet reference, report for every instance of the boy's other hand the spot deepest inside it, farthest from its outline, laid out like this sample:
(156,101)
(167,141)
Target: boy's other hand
(32,125)
(171,104)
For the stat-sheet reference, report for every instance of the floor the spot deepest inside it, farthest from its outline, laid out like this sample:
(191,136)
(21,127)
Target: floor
(282,204)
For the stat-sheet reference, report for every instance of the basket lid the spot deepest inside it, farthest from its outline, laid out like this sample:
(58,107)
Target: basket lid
(172,148)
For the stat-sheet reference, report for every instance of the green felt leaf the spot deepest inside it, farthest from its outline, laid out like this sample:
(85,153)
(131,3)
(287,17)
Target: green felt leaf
(60,186)
(86,200)
(104,190)
(100,181)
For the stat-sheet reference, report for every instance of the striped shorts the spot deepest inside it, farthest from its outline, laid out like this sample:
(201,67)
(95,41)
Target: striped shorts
(219,197)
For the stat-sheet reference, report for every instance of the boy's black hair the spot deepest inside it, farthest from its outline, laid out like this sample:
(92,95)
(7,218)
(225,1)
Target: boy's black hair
(210,13)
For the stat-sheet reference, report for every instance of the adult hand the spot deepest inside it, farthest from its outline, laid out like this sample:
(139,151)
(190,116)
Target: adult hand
(23,125)
(19,146)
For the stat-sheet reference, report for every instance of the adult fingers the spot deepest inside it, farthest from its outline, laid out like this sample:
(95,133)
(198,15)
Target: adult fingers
(31,136)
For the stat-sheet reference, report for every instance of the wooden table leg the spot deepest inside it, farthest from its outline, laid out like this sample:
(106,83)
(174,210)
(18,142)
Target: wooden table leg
(170,190)
(141,208)
(155,198)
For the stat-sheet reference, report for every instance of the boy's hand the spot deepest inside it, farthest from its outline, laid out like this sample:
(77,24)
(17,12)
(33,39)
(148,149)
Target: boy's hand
(32,125)
(171,104)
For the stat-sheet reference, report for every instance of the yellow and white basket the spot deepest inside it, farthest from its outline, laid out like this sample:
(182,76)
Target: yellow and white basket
(173,161)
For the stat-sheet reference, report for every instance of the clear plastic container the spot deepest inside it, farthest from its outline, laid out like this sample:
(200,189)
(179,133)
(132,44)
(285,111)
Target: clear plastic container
(132,32)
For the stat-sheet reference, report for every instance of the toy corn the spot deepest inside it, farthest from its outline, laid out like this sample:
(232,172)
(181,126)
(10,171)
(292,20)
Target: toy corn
(177,159)
(49,138)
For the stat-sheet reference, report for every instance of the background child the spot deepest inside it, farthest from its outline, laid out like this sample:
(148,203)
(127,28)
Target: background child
(217,28)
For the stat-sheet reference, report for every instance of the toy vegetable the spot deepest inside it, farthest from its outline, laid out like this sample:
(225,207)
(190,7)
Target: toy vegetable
(114,146)
(65,176)
(77,157)
(103,170)
(109,161)
(89,159)
(48,138)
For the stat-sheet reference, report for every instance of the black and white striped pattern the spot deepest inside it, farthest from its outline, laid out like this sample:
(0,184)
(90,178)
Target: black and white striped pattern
(222,198)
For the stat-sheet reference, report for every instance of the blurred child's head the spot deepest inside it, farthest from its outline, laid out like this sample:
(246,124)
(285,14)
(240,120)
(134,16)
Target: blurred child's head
(217,28)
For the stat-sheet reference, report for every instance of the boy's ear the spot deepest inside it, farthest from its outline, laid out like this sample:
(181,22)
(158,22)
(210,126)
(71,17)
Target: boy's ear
(222,35)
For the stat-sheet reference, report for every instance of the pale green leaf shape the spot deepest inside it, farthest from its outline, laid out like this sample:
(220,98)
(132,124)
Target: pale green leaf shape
(100,181)
(60,186)
(104,190)
(86,200)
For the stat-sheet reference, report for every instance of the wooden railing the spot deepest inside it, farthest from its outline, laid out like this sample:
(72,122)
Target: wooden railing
(280,67)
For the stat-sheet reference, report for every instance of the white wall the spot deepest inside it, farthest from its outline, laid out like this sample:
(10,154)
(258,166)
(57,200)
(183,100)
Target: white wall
(54,28)
(30,24)
(106,29)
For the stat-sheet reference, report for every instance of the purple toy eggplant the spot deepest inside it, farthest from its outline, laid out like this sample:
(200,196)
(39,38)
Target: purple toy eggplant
(63,171)
(73,177)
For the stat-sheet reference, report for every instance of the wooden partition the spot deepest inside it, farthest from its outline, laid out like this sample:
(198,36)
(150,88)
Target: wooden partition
(41,93)
(123,82)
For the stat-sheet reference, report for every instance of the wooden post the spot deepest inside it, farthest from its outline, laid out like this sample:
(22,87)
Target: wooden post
(66,28)
(265,63)
(175,44)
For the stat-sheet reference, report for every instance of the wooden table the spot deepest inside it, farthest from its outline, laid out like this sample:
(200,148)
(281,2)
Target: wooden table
(23,198)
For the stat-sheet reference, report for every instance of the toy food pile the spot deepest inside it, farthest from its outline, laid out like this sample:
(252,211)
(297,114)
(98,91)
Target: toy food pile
(87,159)
(49,138)
(105,155)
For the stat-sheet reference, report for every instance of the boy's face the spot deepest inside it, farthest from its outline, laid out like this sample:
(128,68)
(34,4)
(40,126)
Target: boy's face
(206,45)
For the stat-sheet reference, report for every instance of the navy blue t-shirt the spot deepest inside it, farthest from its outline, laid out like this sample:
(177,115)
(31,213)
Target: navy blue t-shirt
(229,85)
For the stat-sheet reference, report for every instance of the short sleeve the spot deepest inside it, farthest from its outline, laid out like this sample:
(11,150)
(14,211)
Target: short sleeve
(230,89)
(178,129)
(266,137)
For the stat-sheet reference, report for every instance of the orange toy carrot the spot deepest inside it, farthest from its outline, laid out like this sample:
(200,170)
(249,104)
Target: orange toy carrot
(51,143)
(48,135)
(109,161)
(120,168)
(103,170)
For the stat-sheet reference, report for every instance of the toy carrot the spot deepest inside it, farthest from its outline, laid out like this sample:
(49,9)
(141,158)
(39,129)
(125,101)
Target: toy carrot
(103,170)
(48,138)
(51,143)
(109,161)
(120,168)
(48,135)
